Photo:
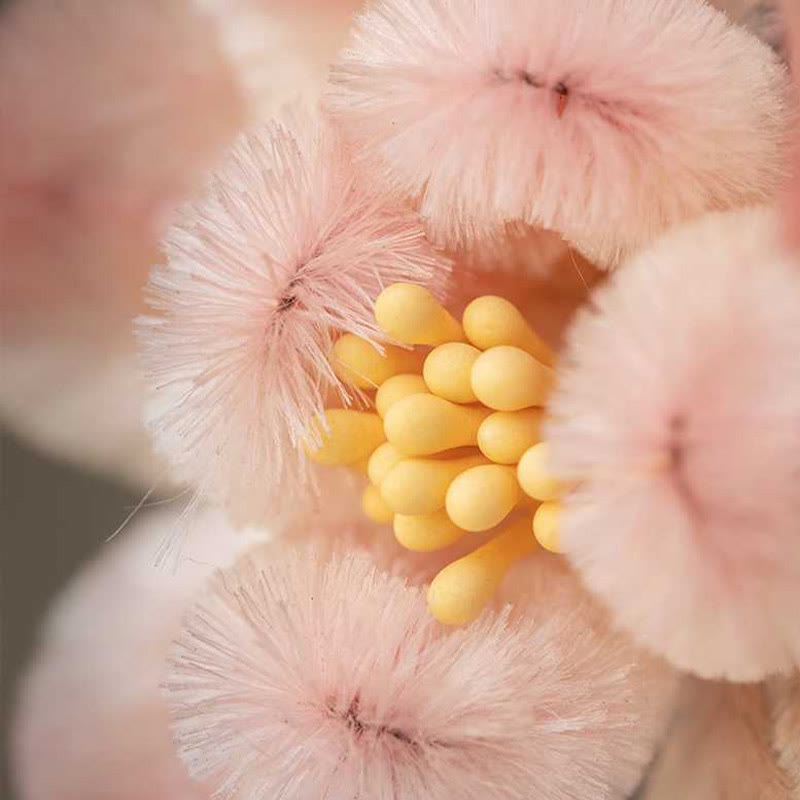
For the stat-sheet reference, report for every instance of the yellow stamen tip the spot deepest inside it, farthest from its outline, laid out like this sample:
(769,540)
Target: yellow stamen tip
(382,461)
(534,474)
(396,388)
(345,437)
(482,497)
(419,485)
(359,363)
(506,435)
(426,533)
(492,321)
(448,369)
(509,379)
(375,507)
(411,314)
(462,589)
(424,424)
(547,526)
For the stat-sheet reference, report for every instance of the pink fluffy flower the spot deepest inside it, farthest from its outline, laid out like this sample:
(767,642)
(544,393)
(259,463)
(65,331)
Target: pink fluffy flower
(285,249)
(679,413)
(302,675)
(607,121)
(110,114)
(91,723)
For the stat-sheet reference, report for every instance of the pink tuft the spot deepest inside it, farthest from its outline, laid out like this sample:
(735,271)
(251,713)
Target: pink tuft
(303,675)
(90,722)
(679,412)
(493,111)
(283,251)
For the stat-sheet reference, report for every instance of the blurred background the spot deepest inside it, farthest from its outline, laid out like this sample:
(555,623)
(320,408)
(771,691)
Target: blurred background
(53,517)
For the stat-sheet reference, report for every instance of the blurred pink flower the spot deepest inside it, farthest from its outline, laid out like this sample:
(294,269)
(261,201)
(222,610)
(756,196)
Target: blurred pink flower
(678,412)
(91,723)
(110,115)
(98,143)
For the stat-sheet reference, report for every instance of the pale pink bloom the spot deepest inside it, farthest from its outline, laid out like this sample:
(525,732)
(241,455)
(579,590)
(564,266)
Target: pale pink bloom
(306,673)
(98,142)
(111,111)
(678,412)
(605,120)
(91,723)
(109,114)
(720,745)
(284,250)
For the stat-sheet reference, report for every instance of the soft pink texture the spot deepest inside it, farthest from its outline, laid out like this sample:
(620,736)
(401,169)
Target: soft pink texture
(671,110)
(306,674)
(91,723)
(679,411)
(284,249)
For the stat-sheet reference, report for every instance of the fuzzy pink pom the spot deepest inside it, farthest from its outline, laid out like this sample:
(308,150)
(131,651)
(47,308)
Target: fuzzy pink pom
(90,722)
(679,413)
(605,120)
(284,250)
(306,675)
